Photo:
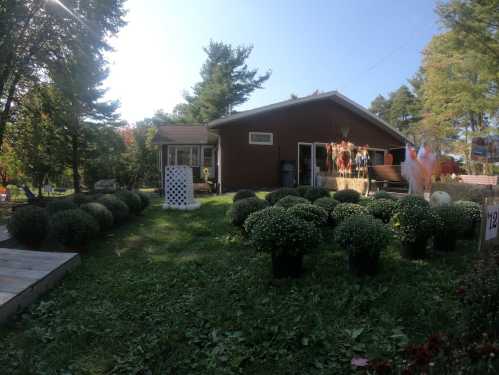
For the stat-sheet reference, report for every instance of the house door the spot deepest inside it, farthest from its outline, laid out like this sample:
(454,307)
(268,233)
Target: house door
(305,164)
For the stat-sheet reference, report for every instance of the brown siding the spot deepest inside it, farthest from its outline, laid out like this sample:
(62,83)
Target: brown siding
(256,166)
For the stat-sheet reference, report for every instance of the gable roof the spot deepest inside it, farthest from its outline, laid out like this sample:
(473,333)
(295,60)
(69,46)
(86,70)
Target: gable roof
(332,95)
(183,134)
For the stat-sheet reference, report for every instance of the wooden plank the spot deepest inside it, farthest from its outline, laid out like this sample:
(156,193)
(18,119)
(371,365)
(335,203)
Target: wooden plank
(46,255)
(4,297)
(23,273)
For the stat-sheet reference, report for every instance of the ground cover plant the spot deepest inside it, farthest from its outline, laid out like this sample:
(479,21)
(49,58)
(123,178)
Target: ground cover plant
(185,293)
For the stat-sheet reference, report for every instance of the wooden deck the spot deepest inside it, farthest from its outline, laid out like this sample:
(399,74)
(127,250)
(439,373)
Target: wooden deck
(25,275)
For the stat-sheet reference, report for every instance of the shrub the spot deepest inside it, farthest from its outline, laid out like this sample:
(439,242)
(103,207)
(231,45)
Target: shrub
(471,209)
(28,224)
(479,295)
(450,222)
(414,223)
(242,208)
(145,200)
(363,237)
(382,194)
(302,189)
(315,193)
(347,196)
(274,230)
(346,210)
(132,200)
(275,195)
(73,228)
(364,201)
(328,204)
(290,201)
(60,205)
(245,193)
(82,198)
(309,212)
(100,213)
(411,201)
(117,207)
(382,209)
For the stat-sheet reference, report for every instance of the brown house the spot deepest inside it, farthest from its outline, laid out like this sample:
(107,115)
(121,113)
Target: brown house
(264,147)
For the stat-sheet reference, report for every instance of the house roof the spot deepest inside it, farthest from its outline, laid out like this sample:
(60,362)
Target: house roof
(331,95)
(184,134)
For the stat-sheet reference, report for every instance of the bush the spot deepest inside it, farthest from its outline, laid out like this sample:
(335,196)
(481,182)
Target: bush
(315,193)
(328,204)
(100,213)
(274,230)
(73,228)
(60,205)
(132,200)
(414,223)
(382,209)
(275,195)
(82,198)
(245,193)
(364,201)
(243,208)
(347,196)
(303,189)
(309,212)
(28,224)
(471,209)
(450,222)
(145,201)
(410,201)
(290,201)
(346,210)
(117,207)
(384,195)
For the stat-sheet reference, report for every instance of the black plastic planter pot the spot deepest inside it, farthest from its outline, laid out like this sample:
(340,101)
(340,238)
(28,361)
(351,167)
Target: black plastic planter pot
(414,250)
(286,265)
(363,265)
(445,244)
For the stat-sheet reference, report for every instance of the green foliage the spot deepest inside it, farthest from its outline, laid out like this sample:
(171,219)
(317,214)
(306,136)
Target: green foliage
(410,201)
(243,208)
(450,222)
(303,189)
(58,205)
(290,201)
(414,222)
(382,194)
(275,195)
(244,193)
(82,198)
(362,236)
(100,213)
(28,224)
(117,207)
(315,193)
(382,209)
(345,210)
(347,196)
(471,210)
(145,200)
(328,204)
(276,231)
(132,200)
(309,212)
(73,228)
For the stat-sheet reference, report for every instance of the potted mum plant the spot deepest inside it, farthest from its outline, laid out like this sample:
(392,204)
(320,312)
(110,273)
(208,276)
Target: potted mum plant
(364,238)
(473,211)
(451,222)
(286,237)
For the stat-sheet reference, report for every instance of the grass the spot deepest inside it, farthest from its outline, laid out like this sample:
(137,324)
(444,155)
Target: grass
(183,293)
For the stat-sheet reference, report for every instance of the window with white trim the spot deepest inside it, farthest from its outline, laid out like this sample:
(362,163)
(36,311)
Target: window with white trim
(261,138)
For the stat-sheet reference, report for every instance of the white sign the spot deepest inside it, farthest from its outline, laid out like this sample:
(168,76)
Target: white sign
(492,222)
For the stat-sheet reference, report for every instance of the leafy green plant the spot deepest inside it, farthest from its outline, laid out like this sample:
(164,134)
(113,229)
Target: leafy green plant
(302,189)
(315,193)
(60,205)
(410,201)
(132,200)
(382,209)
(309,212)
(346,210)
(347,196)
(275,195)
(473,212)
(364,201)
(73,228)
(117,207)
(382,194)
(328,204)
(244,193)
(243,208)
(450,221)
(82,198)
(290,201)
(145,199)
(29,224)
(100,213)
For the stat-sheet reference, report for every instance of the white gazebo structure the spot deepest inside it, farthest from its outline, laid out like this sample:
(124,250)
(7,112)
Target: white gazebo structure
(179,189)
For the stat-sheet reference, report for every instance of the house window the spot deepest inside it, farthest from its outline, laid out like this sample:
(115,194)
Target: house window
(260,138)
(183,155)
(208,160)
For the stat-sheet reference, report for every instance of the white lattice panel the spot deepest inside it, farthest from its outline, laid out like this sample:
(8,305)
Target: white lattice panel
(179,190)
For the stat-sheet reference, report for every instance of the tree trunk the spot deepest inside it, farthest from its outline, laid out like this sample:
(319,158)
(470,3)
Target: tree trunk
(4,116)
(75,162)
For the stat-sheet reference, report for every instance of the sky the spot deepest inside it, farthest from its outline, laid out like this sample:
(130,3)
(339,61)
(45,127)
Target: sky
(360,47)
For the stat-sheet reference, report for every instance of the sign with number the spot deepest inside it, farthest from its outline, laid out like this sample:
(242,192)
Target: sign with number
(492,222)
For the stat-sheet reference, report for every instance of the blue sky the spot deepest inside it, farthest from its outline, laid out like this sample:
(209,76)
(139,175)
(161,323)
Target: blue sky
(359,47)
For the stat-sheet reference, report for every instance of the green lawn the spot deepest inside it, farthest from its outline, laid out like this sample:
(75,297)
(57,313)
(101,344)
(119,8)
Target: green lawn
(183,293)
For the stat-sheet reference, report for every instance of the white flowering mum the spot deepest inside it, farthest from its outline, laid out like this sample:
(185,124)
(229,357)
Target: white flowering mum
(440,198)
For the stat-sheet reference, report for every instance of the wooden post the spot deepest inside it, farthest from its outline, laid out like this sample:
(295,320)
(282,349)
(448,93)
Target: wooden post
(489,224)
